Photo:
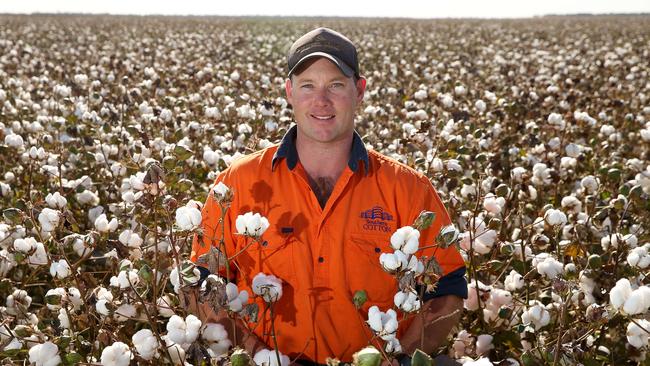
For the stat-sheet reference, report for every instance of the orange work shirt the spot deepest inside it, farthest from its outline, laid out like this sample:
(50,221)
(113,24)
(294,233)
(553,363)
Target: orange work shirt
(324,255)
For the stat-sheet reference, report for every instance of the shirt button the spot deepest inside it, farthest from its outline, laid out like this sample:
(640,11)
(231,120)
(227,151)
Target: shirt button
(321,259)
(377,250)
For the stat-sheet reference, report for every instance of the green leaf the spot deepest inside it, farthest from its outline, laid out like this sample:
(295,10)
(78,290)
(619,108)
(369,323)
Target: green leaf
(424,220)
(360,298)
(420,358)
(184,185)
(240,358)
(145,272)
(368,356)
(72,358)
(53,299)
(447,237)
(182,153)
(63,342)
(13,215)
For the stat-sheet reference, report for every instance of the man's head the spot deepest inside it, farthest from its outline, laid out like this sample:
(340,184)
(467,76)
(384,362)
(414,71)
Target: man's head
(324,86)
(324,42)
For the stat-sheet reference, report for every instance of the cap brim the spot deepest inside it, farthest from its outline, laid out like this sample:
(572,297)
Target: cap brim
(345,69)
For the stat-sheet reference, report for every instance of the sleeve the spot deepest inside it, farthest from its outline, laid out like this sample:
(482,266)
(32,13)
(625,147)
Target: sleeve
(453,280)
(212,228)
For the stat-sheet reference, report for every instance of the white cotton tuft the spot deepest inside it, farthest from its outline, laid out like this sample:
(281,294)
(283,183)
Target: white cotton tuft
(117,354)
(406,239)
(267,286)
(266,357)
(536,315)
(188,218)
(251,224)
(146,344)
(637,334)
(45,354)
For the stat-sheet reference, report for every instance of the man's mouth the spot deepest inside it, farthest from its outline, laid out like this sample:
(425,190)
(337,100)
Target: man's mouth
(323,117)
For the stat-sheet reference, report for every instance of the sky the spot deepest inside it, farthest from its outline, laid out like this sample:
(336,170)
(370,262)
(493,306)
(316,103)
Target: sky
(345,8)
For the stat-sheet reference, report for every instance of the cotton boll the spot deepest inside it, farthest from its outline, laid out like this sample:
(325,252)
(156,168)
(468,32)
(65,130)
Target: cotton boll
(39,257)
(637,333)
(484,344)
(266,357)
(125,279)
(25,245)
(183,331)
(60,269)
(64,320)
(462,345)
(236,299)
(187,278)
(405,239)
(217,338)
(188,218)
(493,204)
(146,344)
(639,257)
(620,293)
(104,226)
(589,184)
(18,302)
(44,354)
(267,286)
(472,301)
(407,301)
(547,265)
(393,262)
(130,239)
(514,281)
(56,201)
(638,302)
(87,197)
(251,224)
(49,219)
(117,354)
(536,315)
(555,217)
(165,306)
(571,204)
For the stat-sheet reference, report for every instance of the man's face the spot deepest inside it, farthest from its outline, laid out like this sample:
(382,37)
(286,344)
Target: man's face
(324,102)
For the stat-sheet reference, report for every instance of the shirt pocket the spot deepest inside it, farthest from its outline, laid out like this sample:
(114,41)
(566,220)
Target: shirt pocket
(364,272)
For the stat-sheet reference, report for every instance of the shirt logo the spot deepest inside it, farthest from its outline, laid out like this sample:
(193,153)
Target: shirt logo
(377,219)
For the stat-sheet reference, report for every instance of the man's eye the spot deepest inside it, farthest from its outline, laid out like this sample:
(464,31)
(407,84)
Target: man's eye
(306,86)
(337,85)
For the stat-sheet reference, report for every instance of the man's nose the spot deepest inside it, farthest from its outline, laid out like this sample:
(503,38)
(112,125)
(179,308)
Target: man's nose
(322,97)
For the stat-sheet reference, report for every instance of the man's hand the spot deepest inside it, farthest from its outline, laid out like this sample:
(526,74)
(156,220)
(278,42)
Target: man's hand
(440,315)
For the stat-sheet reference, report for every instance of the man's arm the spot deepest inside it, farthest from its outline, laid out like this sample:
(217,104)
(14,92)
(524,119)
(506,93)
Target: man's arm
(440,315)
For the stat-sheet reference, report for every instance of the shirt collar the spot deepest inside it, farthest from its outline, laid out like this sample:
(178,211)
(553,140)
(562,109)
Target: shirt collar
(287,150)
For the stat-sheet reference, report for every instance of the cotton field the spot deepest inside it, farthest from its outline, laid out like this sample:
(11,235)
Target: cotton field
(536,134)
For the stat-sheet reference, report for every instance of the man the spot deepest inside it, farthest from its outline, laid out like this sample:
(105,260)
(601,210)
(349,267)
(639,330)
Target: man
(332,207)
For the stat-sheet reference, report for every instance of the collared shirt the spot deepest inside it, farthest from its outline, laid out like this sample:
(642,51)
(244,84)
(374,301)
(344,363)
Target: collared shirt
(324,255)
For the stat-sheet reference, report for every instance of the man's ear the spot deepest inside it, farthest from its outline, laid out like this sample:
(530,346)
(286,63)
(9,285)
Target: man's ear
(361,89)
(288,88)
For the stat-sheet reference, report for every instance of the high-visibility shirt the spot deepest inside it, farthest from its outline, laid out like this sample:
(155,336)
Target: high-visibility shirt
(324,255)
